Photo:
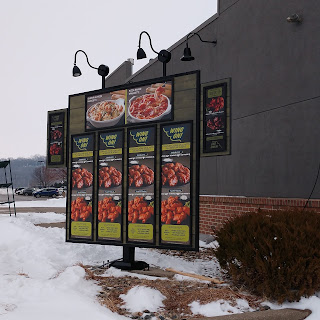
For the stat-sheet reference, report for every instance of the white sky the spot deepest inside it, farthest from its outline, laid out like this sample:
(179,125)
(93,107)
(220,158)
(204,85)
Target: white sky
(38,42)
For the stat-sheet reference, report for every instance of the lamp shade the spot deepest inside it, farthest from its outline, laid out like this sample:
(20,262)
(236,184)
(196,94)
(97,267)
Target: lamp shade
(187,55)
(141,54)
(76,71)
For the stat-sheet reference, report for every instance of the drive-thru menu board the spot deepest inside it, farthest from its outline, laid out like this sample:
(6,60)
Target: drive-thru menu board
(133,164)
(215,118)
(110,186)
(141,184)
(176,153)
(82,186)
(56,127)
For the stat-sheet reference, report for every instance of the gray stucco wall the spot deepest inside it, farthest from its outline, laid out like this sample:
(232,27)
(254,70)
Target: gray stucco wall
(274,68)
(120,75)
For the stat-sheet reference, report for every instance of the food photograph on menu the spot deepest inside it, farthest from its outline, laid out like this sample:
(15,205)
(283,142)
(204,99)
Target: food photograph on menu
(149,103)
(135,105)
(105,110)
(110,185)
(175,183)
(82,186)
(141,184)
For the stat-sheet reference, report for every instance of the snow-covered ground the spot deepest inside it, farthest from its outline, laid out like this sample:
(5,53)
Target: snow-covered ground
(40,277)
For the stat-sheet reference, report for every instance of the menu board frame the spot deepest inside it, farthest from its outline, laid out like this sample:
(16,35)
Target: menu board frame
(56,137)
(141,242)
(86,239)
(96,211)
(219,115)
(187,108)
(126,120)
(192,198)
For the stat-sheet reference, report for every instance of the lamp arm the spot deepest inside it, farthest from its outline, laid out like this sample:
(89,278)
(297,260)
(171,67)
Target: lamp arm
(149,41)
(196,33)
(75,58)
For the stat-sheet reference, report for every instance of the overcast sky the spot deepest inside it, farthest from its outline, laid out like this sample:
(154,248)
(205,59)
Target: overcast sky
(39,39)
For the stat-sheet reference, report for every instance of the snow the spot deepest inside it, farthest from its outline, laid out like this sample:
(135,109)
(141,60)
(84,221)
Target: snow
(219,308)
(40,276)
(148,299)
(51,203)
(311,303)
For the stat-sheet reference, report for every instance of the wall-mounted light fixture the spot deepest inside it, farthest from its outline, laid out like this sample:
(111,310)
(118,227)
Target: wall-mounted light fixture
(103,70)
(187,56)
(164,56)
(294,18)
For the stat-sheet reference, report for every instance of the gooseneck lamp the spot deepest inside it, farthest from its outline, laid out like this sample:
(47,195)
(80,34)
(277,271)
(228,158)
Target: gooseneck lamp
(164,56)
(187,56)
(103,70)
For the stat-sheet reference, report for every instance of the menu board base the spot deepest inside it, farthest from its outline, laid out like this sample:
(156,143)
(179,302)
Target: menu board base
(132,265)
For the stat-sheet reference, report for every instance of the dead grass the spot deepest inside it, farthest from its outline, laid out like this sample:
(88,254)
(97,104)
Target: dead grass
(179,294)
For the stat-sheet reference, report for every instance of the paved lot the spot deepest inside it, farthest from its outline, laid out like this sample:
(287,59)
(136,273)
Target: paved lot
(283,314)
(3,197)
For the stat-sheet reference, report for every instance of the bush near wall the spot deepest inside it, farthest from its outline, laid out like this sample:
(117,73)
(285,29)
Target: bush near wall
(274,254)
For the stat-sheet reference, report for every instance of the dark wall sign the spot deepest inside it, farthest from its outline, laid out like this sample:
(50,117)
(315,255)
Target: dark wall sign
(215,118)
(176,177)
(141,184)
(82,186)
(110,186)
(56,138)
(135,105)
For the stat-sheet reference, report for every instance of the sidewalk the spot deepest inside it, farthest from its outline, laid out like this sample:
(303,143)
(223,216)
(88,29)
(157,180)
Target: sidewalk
(283,314)
(5,210)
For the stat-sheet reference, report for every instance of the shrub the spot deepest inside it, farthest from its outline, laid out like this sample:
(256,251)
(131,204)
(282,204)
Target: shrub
(274,254)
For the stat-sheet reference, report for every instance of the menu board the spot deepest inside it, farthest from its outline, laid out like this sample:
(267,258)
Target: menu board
(176,176)
(110,186)
(82,186)
(141,184)
(56,123)
(215,118)
(135,105)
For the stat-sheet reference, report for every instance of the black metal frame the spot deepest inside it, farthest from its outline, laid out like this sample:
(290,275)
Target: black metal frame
(3,165)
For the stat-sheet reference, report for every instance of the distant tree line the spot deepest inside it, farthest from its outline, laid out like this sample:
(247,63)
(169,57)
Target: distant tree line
(31,172)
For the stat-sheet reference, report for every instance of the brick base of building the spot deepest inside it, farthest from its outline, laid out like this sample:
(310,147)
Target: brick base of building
(217,210)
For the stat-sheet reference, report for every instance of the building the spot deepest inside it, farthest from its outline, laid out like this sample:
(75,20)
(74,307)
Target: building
(273,67)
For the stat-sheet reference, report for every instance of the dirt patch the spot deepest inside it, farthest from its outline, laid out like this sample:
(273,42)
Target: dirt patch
(179,294)
(51,225)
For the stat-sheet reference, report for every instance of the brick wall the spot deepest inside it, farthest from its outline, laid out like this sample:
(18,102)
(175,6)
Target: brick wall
(215,211)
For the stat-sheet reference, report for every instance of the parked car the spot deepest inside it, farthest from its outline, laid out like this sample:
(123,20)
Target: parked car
(28,191)
(18,190)
(46,192)
(62,191)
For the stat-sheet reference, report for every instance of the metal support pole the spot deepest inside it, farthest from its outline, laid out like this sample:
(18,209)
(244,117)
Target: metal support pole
(164,68)
(103,82)
(128,254)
